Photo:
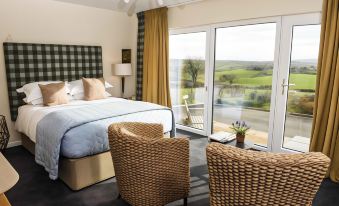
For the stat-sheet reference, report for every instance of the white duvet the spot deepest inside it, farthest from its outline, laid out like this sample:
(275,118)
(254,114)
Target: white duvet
(30,115)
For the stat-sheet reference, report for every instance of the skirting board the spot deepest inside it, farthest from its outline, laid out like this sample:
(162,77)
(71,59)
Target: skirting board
(81,172)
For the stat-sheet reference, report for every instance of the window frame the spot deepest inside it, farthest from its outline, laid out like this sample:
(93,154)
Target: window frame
(280,71)
(288,22)
(207,60)
(247,22)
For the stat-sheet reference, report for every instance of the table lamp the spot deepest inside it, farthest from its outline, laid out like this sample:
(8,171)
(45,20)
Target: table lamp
(122,70)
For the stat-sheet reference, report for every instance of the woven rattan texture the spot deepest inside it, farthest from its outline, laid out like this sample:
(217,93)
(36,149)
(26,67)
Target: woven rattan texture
(241,177)
(4,133)
(150,170)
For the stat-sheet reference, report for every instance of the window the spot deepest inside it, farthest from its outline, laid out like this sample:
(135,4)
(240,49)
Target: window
(260,71)
(244,60)
(187,78)
(300,95)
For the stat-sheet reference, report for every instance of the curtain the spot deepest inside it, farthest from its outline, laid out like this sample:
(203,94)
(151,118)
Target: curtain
(155,86)
(140,54)
(325,134)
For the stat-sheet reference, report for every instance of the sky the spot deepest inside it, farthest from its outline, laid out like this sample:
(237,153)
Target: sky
(246,43)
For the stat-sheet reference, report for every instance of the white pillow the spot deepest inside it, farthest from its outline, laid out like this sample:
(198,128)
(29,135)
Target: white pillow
(33,92)
(40,101)
(76,87)
(81,96)
(108,85)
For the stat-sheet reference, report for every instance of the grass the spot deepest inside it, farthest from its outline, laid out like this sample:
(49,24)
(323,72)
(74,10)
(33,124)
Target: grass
(259,78)
(251,77)
(251,85)
(303,81)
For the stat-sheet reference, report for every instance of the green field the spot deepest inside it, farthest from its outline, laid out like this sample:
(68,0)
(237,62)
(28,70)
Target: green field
(259,78)
(248,83)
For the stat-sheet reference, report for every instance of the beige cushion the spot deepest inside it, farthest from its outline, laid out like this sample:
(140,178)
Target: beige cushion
(54,94)
(94,88)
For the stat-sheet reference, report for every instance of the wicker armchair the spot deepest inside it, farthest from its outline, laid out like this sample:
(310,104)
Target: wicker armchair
(241,177)
(150,170)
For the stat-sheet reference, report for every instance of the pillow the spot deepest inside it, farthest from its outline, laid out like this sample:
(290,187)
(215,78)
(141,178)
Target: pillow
(40,101)
(34,102)
(81,96)
(77,87)
(94,88)
(32,90)
(54,94)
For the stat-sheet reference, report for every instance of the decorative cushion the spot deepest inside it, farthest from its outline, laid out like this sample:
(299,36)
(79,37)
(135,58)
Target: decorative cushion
(76,87)
(94,88)
(32,90)
(54,94)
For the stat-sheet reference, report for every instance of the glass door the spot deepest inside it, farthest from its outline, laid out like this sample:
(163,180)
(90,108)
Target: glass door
(244,70)
(188,54)
(261,71)
(296,90)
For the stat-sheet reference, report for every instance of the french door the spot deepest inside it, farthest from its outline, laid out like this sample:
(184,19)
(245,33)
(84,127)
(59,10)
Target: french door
(260,71)
(189,71)
(296,82)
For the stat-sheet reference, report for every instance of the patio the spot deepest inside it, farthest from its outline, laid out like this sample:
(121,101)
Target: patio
(296,131)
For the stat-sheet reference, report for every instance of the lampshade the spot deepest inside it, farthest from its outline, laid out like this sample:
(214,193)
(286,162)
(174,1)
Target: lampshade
(122,69)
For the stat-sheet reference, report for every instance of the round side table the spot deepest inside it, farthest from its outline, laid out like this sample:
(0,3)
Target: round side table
(247,145)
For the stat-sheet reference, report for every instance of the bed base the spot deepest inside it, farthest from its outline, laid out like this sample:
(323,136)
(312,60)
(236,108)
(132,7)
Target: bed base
(81,172)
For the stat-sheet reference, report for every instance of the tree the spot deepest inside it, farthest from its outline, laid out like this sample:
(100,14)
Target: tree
(193,67)
(227,78)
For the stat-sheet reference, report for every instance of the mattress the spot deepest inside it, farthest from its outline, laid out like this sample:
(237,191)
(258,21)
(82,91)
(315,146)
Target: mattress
(29,117)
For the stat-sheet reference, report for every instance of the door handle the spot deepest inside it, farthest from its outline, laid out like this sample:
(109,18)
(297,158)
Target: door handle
(283,85)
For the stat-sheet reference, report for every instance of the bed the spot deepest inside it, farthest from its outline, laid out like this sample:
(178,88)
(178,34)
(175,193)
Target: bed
(70,141)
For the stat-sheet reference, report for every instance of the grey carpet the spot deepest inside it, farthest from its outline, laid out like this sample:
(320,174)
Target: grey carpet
(36,189)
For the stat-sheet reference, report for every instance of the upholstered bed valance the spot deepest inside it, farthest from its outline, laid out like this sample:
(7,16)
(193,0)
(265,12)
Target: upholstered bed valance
(27,63)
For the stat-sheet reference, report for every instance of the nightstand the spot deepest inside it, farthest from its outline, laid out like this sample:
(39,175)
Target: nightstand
(129,98)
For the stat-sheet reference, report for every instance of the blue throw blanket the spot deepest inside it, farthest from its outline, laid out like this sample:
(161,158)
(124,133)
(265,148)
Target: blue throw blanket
(52,128)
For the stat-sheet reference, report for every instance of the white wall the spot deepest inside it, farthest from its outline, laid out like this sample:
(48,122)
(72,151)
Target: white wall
(216,11)
(47,21)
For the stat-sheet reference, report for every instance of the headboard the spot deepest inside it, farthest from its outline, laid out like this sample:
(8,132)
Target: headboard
(27,63)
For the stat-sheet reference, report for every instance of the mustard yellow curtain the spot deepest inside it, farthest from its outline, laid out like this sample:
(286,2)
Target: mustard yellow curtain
(155,70)
(325,131)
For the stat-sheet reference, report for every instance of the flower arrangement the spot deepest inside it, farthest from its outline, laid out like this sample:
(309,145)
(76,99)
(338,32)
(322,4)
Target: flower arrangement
(240,128)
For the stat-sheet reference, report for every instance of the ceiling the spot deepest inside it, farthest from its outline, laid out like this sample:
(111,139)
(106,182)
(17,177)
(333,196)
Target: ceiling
(133,6)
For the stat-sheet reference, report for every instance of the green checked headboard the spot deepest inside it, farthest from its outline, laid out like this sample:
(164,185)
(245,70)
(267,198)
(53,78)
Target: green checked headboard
(26,63)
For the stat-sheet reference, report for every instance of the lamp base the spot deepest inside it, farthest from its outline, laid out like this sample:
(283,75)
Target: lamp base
(122,86)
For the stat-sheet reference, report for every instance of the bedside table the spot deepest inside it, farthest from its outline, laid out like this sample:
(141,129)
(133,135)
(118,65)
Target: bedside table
(129,98)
